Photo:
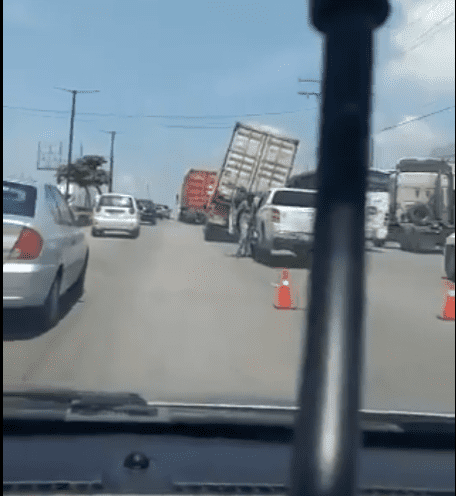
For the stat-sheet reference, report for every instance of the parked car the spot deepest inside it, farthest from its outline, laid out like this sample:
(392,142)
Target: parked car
(45,252)
(285,221)
(115,212)
(147,211)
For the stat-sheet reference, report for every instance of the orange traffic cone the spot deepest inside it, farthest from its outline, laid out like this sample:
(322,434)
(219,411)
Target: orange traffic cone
(284,298)
(448,301)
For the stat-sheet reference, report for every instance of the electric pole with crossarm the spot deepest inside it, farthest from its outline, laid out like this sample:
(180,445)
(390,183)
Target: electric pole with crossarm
(70,145)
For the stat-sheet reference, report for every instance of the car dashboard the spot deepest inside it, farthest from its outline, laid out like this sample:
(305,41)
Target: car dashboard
(42,457)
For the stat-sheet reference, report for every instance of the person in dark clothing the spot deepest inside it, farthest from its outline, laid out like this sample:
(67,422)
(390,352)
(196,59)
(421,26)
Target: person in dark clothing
(246,221)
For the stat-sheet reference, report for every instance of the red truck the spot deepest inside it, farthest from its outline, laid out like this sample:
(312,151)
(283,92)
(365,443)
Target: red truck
(197,188)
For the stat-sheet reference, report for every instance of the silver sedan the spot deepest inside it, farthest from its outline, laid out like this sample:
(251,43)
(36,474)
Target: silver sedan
(45,252)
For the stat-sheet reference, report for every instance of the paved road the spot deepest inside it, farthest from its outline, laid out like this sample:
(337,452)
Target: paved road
(175,318)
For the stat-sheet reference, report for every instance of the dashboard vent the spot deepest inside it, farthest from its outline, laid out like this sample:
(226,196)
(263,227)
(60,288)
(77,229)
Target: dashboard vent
(214,488)
(43,487)
(279,489)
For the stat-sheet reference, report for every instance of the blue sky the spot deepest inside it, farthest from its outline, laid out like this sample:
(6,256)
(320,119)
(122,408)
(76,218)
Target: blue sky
(212,59)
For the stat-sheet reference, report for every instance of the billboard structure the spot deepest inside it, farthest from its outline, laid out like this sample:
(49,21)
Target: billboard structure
(49,156)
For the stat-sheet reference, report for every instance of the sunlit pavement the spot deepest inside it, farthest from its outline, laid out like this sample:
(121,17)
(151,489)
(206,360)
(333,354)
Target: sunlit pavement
(175,318)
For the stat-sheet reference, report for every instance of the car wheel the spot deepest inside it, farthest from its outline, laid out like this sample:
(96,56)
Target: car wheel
(379,243)
(95,232)
(79,284)
(135,233)
(51,308)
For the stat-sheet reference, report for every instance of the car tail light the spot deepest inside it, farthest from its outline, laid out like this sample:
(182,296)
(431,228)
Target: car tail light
(132,211)
(28,246)
(275,215)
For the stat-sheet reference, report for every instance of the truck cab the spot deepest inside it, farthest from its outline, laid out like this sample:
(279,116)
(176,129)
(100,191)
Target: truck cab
(422,204)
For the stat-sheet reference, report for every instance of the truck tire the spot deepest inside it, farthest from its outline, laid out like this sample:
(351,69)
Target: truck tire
(208,232)
(420,214)
(406,239)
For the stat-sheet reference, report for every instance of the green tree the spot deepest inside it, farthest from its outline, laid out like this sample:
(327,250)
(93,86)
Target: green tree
(86,171)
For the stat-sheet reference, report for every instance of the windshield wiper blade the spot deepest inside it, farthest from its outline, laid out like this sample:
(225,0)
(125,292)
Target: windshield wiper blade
(58,404)
(81,406)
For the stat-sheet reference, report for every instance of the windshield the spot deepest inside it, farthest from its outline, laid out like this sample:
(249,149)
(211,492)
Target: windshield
(180,303)
(19,199)
(144,204)
(294,199)
(115,201)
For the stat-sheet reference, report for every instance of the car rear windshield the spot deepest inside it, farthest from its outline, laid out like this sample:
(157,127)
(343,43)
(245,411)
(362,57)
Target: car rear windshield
(295,199)
(19,199)
(144,203)
(116,201)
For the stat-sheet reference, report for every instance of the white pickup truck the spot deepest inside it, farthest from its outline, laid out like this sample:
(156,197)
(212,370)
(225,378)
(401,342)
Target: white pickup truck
(285,220)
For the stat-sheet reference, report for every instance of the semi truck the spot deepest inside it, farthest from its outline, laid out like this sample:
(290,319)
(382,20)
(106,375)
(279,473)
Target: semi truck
(256,161)
(421,213)
(197,187)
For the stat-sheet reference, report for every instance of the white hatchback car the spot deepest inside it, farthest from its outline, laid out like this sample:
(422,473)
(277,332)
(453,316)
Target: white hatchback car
(115,212)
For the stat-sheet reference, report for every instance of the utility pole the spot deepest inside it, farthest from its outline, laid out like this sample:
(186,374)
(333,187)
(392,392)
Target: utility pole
(111,167)
(70,146)
(318,95)
(311,93)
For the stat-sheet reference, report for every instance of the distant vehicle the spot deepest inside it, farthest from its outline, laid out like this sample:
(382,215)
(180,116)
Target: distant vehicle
(449,254)
(197,188)
(285,220)
(115,212)
(147,211)
(163,211)
(422,203)
(81,200)
(45,252)
(256,160)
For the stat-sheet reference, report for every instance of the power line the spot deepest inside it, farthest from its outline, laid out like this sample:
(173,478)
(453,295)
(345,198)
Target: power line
(428,32)
(37,110)
(200,127)
(416,119)
(434,26)
(163,116)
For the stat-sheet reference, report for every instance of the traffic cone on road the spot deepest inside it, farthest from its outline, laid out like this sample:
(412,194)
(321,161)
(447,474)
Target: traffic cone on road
(284,295)
(448,307)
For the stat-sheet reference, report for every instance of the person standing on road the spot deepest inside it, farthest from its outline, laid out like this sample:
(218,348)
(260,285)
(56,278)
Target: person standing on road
(245,224)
